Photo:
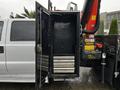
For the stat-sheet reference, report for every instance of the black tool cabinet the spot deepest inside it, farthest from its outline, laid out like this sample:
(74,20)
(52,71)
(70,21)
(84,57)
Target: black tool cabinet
(57,34)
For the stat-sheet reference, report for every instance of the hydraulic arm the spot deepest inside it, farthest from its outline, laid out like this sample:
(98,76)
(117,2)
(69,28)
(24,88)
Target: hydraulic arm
(90,25)
(90,16)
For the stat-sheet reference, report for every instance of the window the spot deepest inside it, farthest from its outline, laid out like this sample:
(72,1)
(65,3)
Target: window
(23,31)
(1,27)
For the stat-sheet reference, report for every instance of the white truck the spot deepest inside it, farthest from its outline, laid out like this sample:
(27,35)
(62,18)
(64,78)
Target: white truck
(17,50)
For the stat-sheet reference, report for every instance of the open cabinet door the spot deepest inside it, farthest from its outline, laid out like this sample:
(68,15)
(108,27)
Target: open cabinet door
(42,51)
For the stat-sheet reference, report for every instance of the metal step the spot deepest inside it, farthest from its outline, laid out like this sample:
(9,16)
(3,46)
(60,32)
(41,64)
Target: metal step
(63,64)
(62,76)
(64,57)
(64,61)
(64,70)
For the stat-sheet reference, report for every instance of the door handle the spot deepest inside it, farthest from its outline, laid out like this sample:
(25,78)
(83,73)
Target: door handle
(39,48)
(1,49)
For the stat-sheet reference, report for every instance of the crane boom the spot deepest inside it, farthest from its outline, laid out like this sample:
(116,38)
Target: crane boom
(90,16)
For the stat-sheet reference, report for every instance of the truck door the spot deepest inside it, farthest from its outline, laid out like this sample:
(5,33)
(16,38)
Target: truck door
(3,25)
(20,50)
(42,52)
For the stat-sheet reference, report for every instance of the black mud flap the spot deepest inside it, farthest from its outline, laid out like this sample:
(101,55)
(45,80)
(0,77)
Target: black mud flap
(42,52)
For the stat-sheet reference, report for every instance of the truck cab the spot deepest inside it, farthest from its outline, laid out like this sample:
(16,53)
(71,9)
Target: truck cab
(17,50)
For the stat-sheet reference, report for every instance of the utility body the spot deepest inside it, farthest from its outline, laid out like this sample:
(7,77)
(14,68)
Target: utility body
(61,40)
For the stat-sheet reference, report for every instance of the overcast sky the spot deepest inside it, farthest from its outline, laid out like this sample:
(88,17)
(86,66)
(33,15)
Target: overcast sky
(16,6)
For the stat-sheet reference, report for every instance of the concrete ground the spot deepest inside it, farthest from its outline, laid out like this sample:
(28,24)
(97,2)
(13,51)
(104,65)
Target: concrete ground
(86,82)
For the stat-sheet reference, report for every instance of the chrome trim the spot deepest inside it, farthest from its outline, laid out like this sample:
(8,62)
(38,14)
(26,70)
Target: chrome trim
(63,70)
(64,61)
(64,57)
(65,65)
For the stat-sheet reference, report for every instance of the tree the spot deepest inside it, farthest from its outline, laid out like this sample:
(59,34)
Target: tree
(113,27)
(101,28)
(26,14)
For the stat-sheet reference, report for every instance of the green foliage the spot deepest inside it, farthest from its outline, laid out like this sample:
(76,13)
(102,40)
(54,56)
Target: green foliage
(114,27)
(26,14)
(101,28)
